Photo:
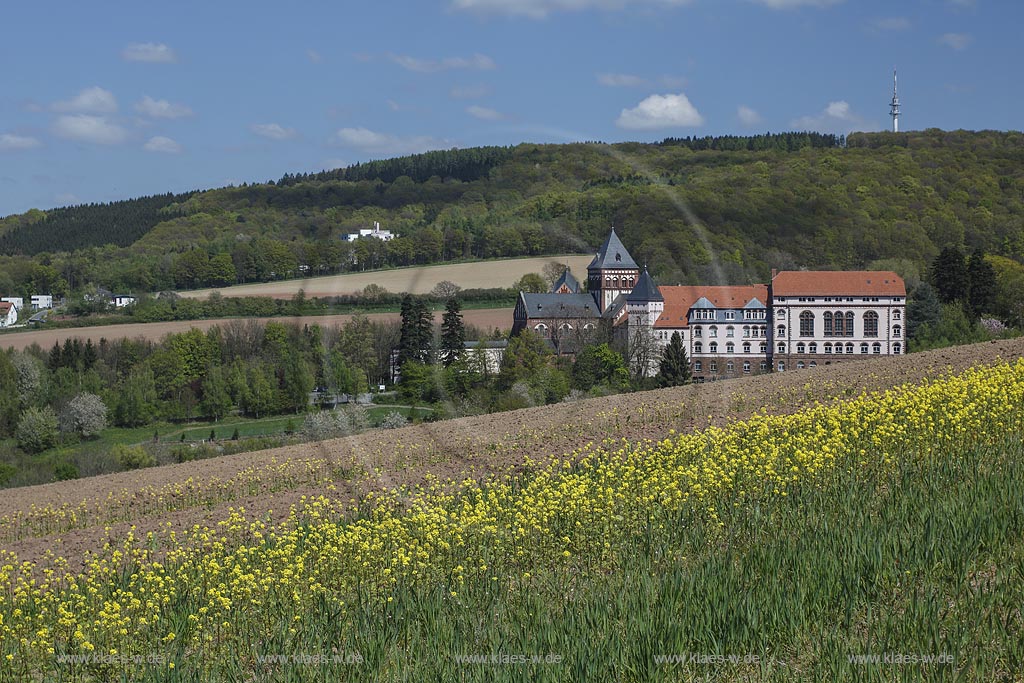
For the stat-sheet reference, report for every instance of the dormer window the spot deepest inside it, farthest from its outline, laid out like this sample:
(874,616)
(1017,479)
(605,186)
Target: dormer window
(618,256)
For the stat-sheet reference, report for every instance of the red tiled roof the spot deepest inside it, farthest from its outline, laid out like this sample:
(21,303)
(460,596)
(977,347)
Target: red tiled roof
(679,300)
(838,283)
(5,306)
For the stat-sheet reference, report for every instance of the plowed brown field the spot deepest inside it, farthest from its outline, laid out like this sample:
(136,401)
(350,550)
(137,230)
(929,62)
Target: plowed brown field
(420,280)
(474,446)
(485,318)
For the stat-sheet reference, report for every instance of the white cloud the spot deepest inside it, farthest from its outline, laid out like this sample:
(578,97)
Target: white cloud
(539,9)
(621,80)
(747,116)
(94,100)
(161,144)
(273,131)
(314,56)
(484,113)
(477,62)
(957,41)
(891,24)
(468,92)
(9,142)
(837,117)
(85,128)
(792,4)
(660,111)
(371,142)
(161,109)
(149,52)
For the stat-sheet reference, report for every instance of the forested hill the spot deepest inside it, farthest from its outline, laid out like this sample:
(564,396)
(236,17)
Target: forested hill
(696,209)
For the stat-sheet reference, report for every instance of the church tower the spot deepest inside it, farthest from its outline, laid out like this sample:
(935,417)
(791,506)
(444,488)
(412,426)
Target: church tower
(612,272)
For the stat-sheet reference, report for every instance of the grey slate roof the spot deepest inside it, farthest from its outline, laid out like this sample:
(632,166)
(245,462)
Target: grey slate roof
(567,279)
(754,303)
(560,306)
(612,254)
(645,289)
(703,303)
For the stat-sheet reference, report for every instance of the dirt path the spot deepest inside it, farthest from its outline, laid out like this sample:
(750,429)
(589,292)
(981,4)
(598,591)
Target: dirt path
(491,444)
(485,318)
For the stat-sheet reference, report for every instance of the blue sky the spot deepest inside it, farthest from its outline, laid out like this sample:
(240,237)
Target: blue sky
(104,101)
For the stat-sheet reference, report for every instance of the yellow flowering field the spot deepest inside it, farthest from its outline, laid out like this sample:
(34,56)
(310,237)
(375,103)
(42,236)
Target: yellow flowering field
(381,576)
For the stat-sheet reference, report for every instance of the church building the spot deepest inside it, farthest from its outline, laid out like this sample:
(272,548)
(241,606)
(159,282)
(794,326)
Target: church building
(800,319)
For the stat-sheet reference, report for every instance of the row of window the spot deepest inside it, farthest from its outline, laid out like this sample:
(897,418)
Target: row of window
(730,331)
(712,314)
(564,327)
(698,347)
(828,348)
(841,324)
(698,366)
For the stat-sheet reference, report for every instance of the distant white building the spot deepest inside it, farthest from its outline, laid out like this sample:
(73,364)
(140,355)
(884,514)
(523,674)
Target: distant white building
(41,301)
(375,232)
(18,302)
(8,314)
(122,300)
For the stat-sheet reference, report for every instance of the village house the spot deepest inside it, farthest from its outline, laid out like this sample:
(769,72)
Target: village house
(8,314)
(41,302)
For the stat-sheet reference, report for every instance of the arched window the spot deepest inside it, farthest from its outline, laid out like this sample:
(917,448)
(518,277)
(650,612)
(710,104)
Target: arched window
(713,366)
(782,366)
(713,347)
(813,364)
(849,347)
(698,332)
(876,348)
(696,366)
(828,347)
(730,331)
(870,324)
(864,347)
(729,366)
(540,327)
(764,331)
(828,323)
(812,347)
(730,348)
(896,314)
(849,323)
(781,331)
(746,366)
(565,327)
(782,347)
(896,349)
(698,347)
(764,365)
(839,324)
(746,347)
(746,331)
(713,331)
(764,348)
(896,330)
(800,348)
(591,326)
(806,324)
(799,365)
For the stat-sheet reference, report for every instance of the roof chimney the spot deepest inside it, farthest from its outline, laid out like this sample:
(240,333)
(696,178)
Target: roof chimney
(775,272)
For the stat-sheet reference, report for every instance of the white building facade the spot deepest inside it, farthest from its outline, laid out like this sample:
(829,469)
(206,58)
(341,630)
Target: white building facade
(825,317)
(8,314)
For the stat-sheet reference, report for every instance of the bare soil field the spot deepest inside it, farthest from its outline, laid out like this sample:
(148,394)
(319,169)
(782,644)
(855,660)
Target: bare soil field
(482,274)
(485,318)
(469,447)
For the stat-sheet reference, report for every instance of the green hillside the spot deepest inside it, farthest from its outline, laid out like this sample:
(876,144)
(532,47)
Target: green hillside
(698,210)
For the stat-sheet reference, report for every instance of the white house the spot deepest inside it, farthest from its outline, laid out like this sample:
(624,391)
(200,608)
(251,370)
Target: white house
(375,232)
(41,301)
(122,300)
(822,317)
(18,302)
(8,314)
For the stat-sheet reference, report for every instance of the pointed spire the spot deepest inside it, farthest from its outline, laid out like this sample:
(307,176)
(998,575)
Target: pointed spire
(645,290)
(612,254)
